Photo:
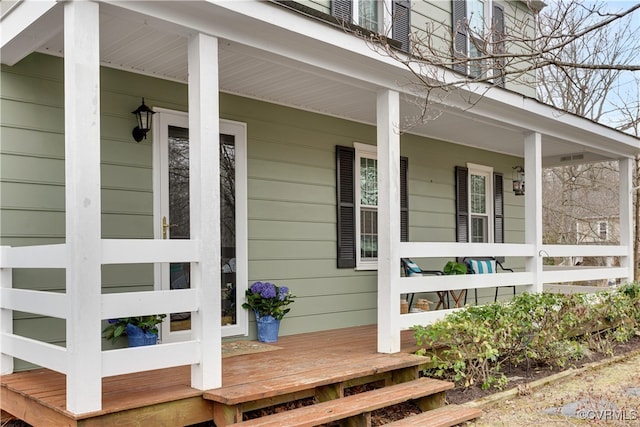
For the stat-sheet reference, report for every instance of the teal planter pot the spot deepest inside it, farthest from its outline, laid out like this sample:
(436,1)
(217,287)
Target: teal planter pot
(268,328)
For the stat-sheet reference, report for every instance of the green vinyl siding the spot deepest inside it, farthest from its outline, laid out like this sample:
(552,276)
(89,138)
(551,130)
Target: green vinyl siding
(291,191)
(432,196)
(435,15)
(292,213)
(32,166)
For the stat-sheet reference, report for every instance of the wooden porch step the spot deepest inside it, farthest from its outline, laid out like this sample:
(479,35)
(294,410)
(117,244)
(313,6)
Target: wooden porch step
(357,408)
(445,416)
(400,367)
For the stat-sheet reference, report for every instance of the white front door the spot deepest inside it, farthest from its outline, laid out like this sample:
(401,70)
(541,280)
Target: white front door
(171,214)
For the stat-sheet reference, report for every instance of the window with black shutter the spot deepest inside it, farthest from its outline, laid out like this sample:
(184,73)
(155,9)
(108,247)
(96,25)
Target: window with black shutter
(476,25)
(371,14)
(348,234)
(466,229)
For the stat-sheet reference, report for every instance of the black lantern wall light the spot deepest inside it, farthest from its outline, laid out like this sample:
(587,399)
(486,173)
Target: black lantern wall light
(143,116)
(518,180)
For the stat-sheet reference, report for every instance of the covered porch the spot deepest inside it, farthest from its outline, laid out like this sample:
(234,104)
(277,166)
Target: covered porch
(214,55)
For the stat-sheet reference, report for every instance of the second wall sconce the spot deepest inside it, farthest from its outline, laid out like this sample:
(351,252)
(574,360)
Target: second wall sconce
(518,180)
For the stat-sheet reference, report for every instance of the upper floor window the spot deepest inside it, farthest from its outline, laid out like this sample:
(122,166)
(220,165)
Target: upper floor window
(476,11)
(476,14)
(478,27)
(388,17)
(367,14)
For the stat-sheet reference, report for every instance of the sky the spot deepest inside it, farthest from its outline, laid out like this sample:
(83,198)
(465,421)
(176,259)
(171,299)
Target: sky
(629,82)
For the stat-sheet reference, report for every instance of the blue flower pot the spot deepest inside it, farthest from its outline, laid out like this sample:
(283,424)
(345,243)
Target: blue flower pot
(137,337)
(268,328)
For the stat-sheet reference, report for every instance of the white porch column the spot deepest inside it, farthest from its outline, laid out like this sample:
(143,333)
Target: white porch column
(626,215)
(204,170)
(82,203)
(388,118)
(533,204)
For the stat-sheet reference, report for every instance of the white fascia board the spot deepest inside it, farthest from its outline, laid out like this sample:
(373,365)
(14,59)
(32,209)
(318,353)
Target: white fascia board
(572,128)
(19,36)
(504,108)
(586,125)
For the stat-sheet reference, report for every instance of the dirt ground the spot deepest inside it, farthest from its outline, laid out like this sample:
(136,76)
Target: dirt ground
(598,390)
(606,394)
(518,376)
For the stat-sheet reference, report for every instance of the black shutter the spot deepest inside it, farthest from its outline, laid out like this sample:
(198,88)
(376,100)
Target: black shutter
(498,208)
(401,16)
(346,220)
(404,200)
(498,36)
(342,10)
(462,204)
(459,33)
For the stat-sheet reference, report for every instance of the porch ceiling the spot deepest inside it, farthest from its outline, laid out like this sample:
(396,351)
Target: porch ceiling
(255,67)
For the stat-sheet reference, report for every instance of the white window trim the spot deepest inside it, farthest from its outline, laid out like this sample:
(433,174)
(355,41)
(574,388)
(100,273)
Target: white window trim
(475,169)
(371,152)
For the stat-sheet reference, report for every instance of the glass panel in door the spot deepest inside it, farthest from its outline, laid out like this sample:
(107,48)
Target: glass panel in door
(228,228)
(176,226)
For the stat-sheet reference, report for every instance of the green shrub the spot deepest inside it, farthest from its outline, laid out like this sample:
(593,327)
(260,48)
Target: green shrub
(471,346)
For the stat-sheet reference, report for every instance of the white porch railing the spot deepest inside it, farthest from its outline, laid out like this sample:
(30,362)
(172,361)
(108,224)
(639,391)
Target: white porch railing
(556,274)
(54,304)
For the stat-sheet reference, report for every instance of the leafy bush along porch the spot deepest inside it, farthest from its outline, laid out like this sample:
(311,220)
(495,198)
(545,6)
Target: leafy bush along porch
(472,346)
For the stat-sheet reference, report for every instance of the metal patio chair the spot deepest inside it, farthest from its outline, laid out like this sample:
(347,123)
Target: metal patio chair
(486,265)
(410,269)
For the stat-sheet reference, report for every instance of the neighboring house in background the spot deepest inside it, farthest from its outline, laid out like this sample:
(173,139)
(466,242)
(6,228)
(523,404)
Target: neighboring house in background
(597,230)
(581,207)
(293,139)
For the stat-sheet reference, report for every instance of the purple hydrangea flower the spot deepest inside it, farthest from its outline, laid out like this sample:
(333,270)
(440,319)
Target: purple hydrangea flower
(283,293)
(257,287)
(268,290)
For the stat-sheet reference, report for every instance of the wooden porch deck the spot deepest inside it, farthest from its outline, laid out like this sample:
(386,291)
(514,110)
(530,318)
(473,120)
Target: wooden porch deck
(303,363)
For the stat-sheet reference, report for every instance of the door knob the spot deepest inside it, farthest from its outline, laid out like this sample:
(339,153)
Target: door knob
(166,226)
